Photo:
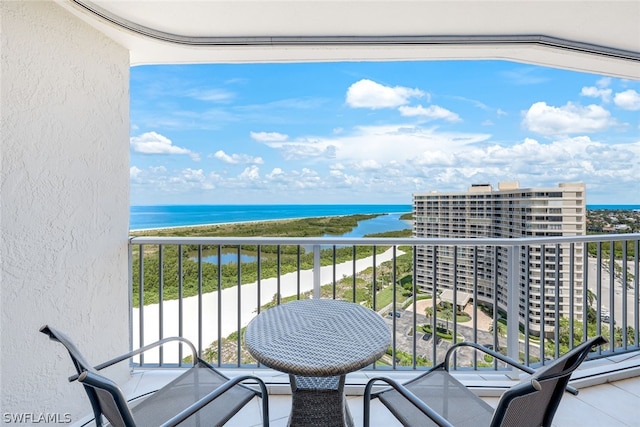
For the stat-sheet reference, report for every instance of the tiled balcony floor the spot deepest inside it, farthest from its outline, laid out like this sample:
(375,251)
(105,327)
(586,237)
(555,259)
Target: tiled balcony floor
(609,405)
(615,403)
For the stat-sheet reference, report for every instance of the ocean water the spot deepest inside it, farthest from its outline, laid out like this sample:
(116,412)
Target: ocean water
(164,216)
(153,217)
(614,207)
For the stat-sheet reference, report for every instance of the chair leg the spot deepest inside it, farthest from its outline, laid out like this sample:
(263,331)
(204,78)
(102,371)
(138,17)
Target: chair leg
(265,402)
(366,397)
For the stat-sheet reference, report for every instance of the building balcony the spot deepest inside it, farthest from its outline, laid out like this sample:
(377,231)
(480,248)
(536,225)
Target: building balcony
(208,289)
(608,394)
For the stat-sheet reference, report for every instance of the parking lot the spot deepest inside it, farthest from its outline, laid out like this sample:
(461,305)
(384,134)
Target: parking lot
(404,324)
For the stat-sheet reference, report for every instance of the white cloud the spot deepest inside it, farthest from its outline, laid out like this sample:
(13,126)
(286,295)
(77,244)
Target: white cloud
(189,179)
(193,175)
(434,158)
(442,166)
(237,158)
(369,94)
(161,181)
(530,162)
(380,143)
(368,165)
(432,112)
(628,100)
(595,92)
(268,136)
(134,172)
(251,173)
(568,119)
(214,95)
(304,148)
(295,180)
(276,174)
(154,143)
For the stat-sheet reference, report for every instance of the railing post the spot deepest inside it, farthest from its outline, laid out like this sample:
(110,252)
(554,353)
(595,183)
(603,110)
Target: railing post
(316,271)
(131,297)
(513,307)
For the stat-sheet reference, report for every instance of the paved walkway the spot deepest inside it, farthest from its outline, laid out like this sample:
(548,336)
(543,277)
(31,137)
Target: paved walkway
(484,321)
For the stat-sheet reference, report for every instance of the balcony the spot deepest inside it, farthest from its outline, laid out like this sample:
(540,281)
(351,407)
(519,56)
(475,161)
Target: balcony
(66,129)
(611,404)
(212,308)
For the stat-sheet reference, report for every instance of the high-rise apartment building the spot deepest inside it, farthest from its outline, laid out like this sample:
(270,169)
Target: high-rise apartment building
(546,272)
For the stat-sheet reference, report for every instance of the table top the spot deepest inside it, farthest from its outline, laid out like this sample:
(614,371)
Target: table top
(317,337)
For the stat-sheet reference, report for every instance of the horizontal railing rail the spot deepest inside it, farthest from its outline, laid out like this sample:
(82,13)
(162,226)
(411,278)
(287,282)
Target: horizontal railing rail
(531,298)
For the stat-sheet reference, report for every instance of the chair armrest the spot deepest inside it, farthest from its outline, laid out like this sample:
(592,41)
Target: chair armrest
(415,400)
(195,407)
(140,350)
(595,342)
(514,363)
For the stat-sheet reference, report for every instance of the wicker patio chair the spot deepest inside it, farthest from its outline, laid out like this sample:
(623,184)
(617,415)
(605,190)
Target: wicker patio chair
(199,396)
(437,398)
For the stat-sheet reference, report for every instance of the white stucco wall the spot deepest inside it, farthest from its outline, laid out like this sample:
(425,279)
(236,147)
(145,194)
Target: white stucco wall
(64,203)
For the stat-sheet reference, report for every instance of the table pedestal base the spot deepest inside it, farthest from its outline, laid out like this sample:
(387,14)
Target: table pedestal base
(319,401)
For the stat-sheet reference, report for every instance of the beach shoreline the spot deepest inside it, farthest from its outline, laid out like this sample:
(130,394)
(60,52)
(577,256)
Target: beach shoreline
(160,217)
(254,221)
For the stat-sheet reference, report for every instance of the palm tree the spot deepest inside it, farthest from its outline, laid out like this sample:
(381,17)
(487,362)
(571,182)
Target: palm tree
(447,314)
(591,312)
(591,297)
(502,328)
(428,311)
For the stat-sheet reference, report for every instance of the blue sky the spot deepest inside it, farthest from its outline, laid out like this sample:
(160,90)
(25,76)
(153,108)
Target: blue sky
(377,132)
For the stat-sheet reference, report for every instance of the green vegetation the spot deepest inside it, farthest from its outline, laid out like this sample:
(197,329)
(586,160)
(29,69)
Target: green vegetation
(385,297)
(274,260)
(229,351)
(608,221)
(566,334)
(306,227)
(442,332)
(212,279)
(444,311)
(405,359)
(605,250)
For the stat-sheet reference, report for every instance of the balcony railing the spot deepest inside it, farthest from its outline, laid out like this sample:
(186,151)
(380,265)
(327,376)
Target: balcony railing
(532,298)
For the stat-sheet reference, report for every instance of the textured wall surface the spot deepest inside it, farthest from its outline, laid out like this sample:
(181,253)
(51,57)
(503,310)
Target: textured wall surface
(64,203)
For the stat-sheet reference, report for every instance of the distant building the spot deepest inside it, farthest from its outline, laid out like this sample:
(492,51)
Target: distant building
(508,212)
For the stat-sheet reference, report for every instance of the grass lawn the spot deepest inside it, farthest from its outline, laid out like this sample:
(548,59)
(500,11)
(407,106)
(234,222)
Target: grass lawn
(385,296)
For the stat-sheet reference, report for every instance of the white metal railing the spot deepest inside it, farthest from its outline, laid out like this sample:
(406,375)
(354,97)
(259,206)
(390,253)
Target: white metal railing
(520,295)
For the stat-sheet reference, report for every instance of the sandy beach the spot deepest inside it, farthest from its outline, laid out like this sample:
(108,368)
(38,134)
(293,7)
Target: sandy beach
(246,294)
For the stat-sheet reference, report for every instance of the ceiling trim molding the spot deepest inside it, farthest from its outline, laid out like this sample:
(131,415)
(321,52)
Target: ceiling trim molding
(417,40)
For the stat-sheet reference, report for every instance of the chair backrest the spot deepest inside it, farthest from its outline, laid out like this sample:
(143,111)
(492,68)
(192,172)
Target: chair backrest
(105,396)
(79,362)
(534,402)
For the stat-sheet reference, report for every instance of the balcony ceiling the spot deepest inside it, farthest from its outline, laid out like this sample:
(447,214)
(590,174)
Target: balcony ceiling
(589,35)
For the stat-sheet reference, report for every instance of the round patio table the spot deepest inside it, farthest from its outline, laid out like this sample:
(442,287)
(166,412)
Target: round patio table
(317,342)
